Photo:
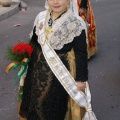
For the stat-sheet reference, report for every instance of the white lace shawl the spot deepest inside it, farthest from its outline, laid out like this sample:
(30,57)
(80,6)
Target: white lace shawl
(65,29)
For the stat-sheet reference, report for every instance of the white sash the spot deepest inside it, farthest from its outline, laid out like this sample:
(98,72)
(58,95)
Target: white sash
(63,75)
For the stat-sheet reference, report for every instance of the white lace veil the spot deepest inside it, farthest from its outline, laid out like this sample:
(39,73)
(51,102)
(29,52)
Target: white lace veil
(73,6)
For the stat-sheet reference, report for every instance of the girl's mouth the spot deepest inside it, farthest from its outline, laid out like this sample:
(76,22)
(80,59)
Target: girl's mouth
(56,6)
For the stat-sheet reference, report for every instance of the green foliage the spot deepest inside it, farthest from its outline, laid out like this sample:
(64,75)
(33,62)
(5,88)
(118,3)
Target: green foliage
(13,57)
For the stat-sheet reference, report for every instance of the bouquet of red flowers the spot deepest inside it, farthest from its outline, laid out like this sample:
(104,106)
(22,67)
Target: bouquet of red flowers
(18,52)
(19,55)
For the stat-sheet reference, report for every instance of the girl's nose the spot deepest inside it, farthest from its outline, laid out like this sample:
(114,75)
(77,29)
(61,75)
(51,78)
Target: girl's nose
(55,1)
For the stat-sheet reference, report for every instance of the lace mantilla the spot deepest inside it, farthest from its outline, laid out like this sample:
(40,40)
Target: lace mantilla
(65,34)
(41,15)
(65,29)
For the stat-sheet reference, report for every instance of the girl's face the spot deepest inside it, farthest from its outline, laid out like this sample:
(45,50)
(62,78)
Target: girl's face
(58,6)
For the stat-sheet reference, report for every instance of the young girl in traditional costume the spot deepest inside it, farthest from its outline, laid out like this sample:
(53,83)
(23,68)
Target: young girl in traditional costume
(55,85)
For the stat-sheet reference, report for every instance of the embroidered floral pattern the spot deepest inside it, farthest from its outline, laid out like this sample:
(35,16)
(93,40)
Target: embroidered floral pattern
(65,34)
(41,99)
(70,28)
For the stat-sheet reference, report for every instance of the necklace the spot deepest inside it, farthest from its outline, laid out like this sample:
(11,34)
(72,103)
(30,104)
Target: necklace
(51,21)
(48,30)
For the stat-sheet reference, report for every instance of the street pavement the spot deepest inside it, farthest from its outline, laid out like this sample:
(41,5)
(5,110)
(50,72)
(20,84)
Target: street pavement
(6,12)
(104,67)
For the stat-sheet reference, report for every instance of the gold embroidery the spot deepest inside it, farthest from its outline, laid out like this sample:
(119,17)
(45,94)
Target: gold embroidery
(48,30)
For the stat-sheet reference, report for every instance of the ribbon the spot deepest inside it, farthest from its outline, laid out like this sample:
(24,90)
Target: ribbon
(21,66)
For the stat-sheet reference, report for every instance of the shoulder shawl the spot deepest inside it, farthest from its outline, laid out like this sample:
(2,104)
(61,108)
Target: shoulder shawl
(65,29)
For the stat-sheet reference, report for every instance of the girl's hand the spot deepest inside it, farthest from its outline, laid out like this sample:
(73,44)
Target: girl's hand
(81,85)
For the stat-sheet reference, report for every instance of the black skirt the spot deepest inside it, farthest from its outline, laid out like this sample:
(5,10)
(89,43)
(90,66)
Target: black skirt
(44,98)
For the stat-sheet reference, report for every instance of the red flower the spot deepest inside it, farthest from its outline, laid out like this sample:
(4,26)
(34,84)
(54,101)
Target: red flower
(22,48)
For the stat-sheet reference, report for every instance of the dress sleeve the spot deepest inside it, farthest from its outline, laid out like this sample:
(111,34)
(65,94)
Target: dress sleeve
(34,38)
(80,50)
(84,4)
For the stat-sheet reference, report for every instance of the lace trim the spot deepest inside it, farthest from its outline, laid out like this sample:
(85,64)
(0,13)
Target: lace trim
(36,22)
(37,27)
(67,31)
(71,28)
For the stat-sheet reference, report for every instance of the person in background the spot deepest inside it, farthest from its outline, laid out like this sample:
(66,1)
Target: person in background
(86,12)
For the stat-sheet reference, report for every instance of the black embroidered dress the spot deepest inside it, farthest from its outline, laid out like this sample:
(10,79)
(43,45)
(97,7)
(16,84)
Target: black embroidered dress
(44,98)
